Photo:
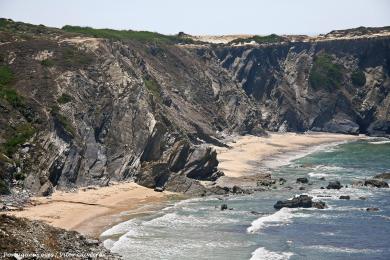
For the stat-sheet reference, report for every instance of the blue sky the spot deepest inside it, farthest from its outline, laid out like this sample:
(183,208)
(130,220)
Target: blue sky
(204,16)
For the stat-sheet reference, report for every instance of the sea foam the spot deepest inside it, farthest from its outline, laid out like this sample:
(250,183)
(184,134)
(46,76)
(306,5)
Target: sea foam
(261,254)
(280,217)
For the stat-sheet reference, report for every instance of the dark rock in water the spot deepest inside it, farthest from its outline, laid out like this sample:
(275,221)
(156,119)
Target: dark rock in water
(159,189)
(322,188)
(282,181)
(319,205)
(302,188)
(385,176)
(302,180)
(266,182)
(362,198)
(224,207)
(345,197)
(334,185)
(255,212)
(322,178)
(376,183)
(372,209)
(303,201)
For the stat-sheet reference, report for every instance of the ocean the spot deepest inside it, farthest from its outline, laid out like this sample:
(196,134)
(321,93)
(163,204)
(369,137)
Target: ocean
(253,229)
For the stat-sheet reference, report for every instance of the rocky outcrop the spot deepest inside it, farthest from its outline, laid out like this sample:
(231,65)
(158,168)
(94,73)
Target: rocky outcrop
(334,185)
(21,236)
(96,110)
(376,183)
(302,201)
(302,180)
(338,85)
(384,176)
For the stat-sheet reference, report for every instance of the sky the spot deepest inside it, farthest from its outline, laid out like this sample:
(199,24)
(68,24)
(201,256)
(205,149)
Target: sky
(200,17)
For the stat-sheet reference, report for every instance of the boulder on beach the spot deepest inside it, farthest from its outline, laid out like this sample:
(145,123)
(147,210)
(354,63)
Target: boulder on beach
(334,185)
(302,201)
(302,180)
(376,183)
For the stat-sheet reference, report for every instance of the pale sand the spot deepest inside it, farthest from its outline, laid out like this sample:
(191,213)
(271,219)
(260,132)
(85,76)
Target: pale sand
(237,161)
(92,211)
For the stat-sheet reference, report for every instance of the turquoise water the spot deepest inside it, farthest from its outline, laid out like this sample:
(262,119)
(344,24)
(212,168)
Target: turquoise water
(197,229)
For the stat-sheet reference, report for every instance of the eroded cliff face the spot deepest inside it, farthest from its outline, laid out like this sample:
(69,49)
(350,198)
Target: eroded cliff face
(77,111)
(94,110)
(334,85)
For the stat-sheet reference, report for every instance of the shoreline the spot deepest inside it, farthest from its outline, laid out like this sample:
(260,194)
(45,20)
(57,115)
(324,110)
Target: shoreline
(92,210)
(250,155)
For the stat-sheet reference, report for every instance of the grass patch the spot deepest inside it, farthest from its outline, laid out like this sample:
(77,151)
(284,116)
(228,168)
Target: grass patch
(143,36)
(72,56)
(64,98)
(6,75)
(11,96)
(358,78)
(325,74)
(272,38)
(153,87)
(63,121)
(19,136)
(47,63)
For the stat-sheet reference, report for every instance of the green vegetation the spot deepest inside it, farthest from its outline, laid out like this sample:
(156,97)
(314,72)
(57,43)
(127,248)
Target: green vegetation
(143,36)
(153,87)
(272,38)
(11,96)
(358,78)
(47,63)
(73,56)
(62,120)
(64,98)
(6,75)
(7,93)
(325,74)
(19,136)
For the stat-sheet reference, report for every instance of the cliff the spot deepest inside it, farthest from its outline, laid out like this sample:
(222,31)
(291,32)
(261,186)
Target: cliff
(81,106)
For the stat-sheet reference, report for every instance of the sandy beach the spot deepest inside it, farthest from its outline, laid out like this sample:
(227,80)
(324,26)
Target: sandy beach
(92,210)
(237,161)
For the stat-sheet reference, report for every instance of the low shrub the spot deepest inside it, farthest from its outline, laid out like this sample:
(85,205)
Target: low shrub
(325,74)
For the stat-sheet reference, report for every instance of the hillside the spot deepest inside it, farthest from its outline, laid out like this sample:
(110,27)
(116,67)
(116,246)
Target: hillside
(81,106)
